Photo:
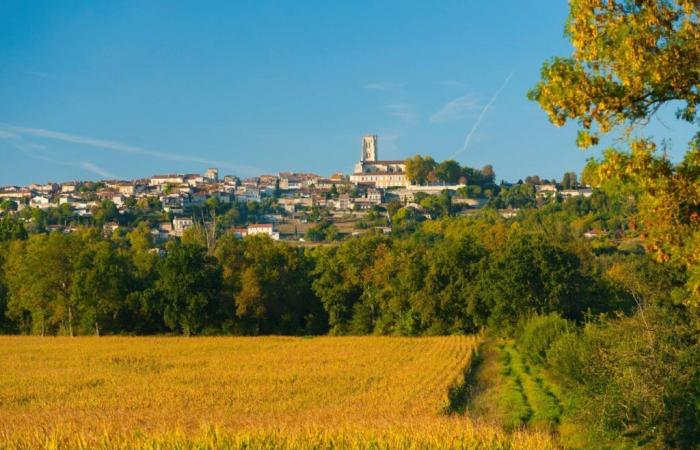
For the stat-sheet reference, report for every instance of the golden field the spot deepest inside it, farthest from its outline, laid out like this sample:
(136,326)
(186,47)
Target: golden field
(221,392)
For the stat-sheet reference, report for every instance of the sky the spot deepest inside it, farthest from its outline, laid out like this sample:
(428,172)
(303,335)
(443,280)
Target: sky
(128,89)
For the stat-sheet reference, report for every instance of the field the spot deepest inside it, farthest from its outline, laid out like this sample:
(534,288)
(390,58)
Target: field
(271,392)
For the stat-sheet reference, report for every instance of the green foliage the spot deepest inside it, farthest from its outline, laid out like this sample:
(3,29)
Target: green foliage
(11,229)
(530,275)
(538,334)
(106,211)
(269,284)
(189,282)
(323,231)
(635,378)
(424,170)
(420,170)
(630,58)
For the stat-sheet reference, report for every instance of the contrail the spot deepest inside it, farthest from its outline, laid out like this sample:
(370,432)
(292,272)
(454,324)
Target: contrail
(119,147)
(468,139)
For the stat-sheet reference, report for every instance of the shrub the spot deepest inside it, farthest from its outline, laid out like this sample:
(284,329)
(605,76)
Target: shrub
(538,334)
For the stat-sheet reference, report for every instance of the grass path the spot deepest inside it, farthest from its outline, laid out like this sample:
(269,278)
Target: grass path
(511,393)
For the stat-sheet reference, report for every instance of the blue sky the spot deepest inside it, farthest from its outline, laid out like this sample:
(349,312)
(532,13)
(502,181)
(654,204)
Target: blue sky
(127,89)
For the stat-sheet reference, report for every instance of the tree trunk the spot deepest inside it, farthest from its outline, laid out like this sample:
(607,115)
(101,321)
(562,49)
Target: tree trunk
(70,320)
(97,329)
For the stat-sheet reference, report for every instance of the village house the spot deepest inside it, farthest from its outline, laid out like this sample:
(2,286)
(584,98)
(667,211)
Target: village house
(15,193)
(70,186)
(546,190)
(247,194)
(263,228)
(180,224)
(582,192)
(159,180)
(48,188)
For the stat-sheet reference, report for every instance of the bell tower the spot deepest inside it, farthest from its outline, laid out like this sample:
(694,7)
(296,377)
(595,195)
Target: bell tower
(369,148)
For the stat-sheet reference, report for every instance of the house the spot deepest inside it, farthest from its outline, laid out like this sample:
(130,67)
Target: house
(546,190)
(40,202)
(172,203)
(164,230)
(48,188)
(248,194)
(344,202)
(263,228)
(212,174)
(581,192)
(159,180)
(290,182)
(374,196)
(193,179)
(180,224)
(15,193)
(126,188)
(240,232)
(70,186)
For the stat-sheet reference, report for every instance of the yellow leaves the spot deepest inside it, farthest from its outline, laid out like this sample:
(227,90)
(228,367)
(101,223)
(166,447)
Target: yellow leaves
(628,56)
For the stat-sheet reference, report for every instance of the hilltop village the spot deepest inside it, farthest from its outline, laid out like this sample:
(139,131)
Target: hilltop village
(291,206)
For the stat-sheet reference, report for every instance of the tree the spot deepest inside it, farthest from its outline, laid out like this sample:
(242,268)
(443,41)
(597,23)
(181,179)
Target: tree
(340,275)
(40,275)
(488,174)
(6,324)
(270,287)
(448,171)
(190,283)
(530,275)
(419,169)
(11,229)
(569,180)
(533,179)
(630,58)
(100,286)
(8,205)
(106,211)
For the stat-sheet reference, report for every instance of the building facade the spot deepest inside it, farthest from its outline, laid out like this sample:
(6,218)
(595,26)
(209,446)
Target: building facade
(379,173)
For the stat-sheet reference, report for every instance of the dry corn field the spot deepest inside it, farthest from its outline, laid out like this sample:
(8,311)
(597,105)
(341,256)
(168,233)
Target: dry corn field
(219,392)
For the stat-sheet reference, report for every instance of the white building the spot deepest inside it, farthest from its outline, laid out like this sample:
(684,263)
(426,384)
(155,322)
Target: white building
(180,224)
(248,194)
(263,228)
(582,192)
(159,180)
(381,174)
(212,174)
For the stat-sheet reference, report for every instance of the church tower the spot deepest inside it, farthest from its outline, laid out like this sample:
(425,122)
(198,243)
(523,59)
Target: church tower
(369,148)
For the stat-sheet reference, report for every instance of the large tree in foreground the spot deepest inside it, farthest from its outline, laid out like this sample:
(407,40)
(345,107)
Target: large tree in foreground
(630,58)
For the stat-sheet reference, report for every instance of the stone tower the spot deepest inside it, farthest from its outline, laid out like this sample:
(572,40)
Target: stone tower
(369,148)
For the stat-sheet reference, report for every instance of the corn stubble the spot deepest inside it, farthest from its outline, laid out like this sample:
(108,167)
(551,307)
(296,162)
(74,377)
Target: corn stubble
(270,392)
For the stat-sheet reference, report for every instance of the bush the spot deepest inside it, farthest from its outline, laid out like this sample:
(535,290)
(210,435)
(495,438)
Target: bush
(538,334)
(635,377)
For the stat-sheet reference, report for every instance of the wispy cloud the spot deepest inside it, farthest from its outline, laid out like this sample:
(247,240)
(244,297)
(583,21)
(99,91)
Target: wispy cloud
(403,111)
(483,112)
(37,73)
(123,148)
(94,168)
(384,86)
(37,151)
(452,84)
(7,135)
(456,109)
